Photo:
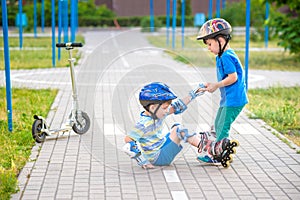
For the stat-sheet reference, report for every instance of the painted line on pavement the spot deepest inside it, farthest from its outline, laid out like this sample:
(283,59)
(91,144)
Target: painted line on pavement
(126,64)
(111,129)
(179,195)
(171,176)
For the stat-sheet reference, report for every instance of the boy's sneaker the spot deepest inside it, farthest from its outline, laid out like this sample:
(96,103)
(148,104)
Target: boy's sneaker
(207,159)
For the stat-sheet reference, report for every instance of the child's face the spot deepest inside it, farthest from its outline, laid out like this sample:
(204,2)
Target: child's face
(163,110)
(213,46)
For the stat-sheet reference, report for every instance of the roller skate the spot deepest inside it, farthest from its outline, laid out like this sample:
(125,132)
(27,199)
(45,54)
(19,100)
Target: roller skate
(206,138)
(224,150)
(217,152)
(208,135)
(204,146)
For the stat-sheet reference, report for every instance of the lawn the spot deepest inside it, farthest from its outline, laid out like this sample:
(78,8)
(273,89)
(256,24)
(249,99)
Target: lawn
(35,53)
(196,53)
(16,145)
(279,107)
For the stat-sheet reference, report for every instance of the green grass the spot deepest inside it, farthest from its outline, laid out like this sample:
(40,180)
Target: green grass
(36,53)
(277,60)
(16,145)
(195,53)
(279,107)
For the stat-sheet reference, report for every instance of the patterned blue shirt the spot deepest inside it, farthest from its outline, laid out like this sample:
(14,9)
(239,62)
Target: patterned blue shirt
(150,135)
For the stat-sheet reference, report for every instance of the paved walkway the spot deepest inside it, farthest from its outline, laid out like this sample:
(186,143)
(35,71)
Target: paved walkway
(92,166)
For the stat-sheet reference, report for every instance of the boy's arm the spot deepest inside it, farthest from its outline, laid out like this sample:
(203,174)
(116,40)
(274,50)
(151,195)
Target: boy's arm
(180,105)
(127,139)
(230,79)
(186,100)
(131,149)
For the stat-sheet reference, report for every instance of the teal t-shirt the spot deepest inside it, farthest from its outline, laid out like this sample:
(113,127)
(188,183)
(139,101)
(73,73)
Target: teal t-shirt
(235,94)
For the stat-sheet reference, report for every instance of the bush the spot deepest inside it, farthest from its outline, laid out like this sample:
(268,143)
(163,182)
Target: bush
(95,21)
(145,24)
(189,20)
(129,21)
(235,14)
(12,11)
(288,31)
(288,26)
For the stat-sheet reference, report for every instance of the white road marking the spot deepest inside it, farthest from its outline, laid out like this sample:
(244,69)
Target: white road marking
(179,195)
(29,77)
(124,61)
(111,129)
(171,176)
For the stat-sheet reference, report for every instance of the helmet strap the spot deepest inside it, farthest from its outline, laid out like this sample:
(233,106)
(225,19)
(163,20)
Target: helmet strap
(221,50)
(153,114)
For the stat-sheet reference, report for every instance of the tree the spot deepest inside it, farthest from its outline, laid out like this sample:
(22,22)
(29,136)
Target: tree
(188,9)
(287,25)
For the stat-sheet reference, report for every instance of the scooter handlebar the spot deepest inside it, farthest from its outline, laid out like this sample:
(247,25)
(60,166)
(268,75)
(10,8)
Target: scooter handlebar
(69,44)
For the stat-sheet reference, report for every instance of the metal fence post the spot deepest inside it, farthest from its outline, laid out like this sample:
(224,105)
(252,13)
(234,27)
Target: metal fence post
(7,65)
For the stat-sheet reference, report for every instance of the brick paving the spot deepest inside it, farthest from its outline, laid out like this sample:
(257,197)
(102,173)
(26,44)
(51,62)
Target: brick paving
(92,166)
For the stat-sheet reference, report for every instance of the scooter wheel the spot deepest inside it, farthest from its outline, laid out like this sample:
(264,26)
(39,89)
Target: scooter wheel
(83,126)
(37,134)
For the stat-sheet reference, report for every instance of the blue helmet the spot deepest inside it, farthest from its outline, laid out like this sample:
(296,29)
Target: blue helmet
(155,93)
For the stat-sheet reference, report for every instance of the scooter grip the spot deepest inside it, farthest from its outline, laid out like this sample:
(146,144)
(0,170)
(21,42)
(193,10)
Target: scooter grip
(69,44)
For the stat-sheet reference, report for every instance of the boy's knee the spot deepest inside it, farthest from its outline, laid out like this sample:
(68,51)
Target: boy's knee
(181,132)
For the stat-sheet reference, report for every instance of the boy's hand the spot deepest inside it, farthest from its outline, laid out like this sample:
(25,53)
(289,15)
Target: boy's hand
(201,88)
(211,87)
(148,166)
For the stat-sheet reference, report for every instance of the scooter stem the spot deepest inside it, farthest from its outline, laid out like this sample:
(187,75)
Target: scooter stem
(74,88)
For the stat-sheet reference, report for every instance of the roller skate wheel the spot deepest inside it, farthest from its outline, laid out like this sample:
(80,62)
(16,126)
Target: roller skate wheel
(228,147)
(225,164)
(227,158)
(230,158)
(234,143)
(232,151)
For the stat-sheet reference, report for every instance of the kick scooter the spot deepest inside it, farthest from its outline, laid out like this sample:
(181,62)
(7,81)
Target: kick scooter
(78,120)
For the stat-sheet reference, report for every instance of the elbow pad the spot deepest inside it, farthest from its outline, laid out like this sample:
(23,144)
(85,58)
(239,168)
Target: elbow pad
(179,106)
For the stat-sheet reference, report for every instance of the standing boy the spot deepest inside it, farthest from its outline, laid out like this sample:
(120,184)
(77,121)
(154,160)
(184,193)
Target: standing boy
(215,33)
